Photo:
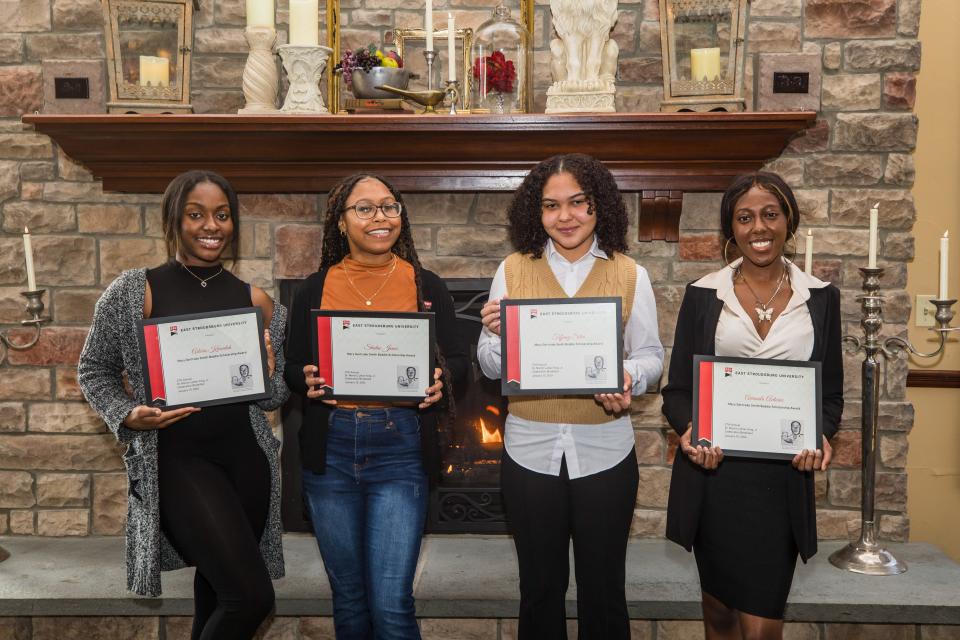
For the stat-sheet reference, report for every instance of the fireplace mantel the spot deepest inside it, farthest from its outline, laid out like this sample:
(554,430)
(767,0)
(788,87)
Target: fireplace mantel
(660,155)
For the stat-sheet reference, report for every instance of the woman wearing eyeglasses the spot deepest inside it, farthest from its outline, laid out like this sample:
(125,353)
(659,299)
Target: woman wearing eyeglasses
(366,467)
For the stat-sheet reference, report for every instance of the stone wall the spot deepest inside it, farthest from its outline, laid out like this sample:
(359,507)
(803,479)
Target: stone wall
(60,472)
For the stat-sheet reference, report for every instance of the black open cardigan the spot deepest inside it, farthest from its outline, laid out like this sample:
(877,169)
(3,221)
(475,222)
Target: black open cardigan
(695,334)
(316,414)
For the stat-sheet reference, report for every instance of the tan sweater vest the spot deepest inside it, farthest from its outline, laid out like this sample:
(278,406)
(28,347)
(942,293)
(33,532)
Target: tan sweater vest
(529,277)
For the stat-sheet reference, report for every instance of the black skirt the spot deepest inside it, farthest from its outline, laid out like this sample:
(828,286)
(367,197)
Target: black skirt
(745,550)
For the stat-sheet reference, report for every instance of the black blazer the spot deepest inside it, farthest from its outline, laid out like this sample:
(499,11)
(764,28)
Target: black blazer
(696,331)
(316,414)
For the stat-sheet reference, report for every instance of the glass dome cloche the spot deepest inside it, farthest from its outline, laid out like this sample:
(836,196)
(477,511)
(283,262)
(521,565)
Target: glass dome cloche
(500,54)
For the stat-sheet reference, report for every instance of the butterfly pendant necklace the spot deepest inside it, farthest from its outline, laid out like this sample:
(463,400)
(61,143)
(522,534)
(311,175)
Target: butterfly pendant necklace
(764,313)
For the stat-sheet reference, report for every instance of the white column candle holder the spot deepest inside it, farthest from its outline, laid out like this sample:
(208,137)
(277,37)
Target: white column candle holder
(261,78)
(304,65)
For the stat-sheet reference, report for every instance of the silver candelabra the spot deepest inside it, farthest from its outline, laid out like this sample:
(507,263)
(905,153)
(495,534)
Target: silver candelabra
(866,555)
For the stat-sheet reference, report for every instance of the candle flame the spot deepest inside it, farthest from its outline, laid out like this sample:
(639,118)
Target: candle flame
(946,234)
(809,233)
(876,206)
(26,231)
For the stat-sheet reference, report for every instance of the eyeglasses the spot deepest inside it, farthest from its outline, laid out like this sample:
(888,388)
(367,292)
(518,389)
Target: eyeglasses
(366,210)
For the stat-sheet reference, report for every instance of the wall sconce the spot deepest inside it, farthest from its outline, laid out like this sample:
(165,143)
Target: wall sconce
(702,43)
(34,308)
(148,54)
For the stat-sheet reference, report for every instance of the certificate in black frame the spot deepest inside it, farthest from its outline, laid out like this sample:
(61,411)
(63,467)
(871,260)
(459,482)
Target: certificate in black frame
(509,345)
(329,392)
(151,358)
(701,404)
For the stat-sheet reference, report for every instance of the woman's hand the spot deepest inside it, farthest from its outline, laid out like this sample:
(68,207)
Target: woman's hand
(490,316)
(314,382)
(707,457)
(817,460)
(271,359)
(144,418)
(433,393)
(617,402)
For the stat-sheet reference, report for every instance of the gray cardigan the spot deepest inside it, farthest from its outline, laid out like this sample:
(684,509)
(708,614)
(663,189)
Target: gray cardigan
(110,350)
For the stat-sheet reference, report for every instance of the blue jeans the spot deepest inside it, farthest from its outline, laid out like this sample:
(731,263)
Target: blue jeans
(368,513)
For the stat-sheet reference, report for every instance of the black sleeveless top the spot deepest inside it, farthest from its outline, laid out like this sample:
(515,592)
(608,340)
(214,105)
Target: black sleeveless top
(175,291)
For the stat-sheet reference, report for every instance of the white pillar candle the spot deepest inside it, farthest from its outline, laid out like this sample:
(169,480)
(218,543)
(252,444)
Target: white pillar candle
(872,247)
(428,25)
(28,255)
(944,264)
(808,253)
(451,48)
(154,71)
(705,64)
(260,13)
(304,22)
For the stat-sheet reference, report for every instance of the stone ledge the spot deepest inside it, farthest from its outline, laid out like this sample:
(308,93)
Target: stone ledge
(473,577)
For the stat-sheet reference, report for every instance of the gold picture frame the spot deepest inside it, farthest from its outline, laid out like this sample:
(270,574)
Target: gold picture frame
(404,38)
(333,22)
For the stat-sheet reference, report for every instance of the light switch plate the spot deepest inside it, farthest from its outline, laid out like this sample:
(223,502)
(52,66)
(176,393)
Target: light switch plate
(925,311)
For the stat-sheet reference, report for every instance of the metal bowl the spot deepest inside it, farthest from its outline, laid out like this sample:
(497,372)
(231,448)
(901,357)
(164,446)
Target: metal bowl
(365,81)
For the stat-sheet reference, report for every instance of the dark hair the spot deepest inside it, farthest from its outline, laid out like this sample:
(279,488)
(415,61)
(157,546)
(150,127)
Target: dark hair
(175,199)
(606,203)
(769,182)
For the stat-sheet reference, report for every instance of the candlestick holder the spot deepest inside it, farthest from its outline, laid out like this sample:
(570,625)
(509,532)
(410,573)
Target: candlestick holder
(866,555)
(304,65)
(35,309)
(429,56)
(453,92)
(261,79)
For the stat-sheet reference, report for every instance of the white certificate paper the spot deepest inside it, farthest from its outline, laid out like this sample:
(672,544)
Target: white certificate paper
(571,346)
(374,356)
(204,359)
(757,408)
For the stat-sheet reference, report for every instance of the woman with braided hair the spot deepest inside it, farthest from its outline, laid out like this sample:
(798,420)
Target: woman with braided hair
(367,465)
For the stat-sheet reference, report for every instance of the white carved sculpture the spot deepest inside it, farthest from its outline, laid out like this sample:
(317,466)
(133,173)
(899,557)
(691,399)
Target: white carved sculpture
(261,78)
(304,65)
(584,58)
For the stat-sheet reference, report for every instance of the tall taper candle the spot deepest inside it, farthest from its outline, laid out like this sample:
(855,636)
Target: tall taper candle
(451,48)
(808,253)
(872,247)
(944,264)
(28,255)
(428,25)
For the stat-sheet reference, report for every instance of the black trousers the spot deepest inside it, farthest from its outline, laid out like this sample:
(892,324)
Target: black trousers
(544,513)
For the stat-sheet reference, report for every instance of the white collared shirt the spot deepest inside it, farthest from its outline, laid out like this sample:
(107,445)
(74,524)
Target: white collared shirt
(791,334)
(588,448)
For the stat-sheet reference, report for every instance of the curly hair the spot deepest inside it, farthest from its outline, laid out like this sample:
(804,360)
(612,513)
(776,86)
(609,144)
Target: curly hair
(175,200)
(769,182)
(606,203)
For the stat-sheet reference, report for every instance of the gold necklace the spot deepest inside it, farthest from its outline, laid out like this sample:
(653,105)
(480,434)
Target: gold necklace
(764,314)
(203,281)
(386,278)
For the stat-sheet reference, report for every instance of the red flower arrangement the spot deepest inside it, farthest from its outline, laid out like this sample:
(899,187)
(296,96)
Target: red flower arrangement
(500,72)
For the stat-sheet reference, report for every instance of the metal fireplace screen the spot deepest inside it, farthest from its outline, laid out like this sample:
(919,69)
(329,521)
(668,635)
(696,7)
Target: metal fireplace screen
(467,498)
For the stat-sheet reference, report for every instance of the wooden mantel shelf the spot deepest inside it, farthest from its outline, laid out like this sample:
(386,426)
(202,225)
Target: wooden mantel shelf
(659,154)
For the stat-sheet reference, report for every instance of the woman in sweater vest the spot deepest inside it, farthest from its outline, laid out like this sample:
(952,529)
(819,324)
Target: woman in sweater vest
(747,519)
(569,469)
(367,465)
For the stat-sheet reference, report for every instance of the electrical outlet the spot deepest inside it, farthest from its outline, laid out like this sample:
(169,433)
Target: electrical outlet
(925,311)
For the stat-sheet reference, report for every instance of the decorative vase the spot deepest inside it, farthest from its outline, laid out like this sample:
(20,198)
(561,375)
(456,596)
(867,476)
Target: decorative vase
(500,53)
(499,102)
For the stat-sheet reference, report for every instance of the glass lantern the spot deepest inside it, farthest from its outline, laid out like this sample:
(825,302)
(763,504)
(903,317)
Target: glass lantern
(148,54)
(702,43)
(500,54)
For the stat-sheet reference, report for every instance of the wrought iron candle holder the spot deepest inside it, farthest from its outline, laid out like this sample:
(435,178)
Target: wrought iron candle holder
(35,309)
(867,555)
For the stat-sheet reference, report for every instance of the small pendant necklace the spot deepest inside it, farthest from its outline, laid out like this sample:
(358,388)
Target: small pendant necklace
(764,314)
(386,278)
(203,281)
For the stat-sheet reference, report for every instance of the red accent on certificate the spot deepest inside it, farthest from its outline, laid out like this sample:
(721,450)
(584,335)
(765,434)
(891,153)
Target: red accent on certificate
(154,363)
(705,431)
(325,358)
(513,344)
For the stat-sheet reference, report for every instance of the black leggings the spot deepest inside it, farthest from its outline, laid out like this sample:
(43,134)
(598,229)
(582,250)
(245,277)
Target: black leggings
(213,509)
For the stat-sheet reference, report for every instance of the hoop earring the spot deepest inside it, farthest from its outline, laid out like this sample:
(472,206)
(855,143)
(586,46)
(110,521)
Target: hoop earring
(793,253)
(726,245)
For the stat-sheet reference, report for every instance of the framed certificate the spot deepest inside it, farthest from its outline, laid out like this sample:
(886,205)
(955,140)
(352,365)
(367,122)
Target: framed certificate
(570,346)
(204,359)
(374,356)
(757,408)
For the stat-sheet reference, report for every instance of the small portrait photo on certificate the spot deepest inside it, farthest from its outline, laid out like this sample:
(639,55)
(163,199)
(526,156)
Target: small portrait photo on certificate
(241,376)
(791,434)
(407,377)
(594,368)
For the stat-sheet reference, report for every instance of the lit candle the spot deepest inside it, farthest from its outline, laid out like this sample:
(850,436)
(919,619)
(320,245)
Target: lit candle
(944,264)
(451,48)
(260,13)
(808,251)
(32,276)
(705,63)
(428,25)
(154,71)
(872,247)
(304,22)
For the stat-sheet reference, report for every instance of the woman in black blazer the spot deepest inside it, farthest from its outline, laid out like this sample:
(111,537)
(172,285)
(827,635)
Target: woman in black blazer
(748,519)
